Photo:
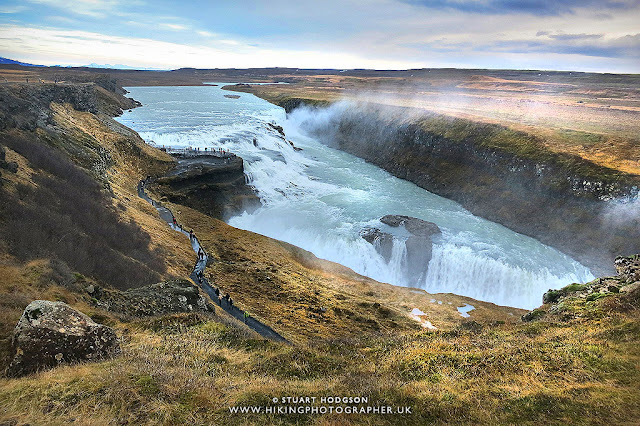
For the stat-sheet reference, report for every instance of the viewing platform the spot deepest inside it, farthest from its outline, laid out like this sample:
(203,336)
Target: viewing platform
(197,153)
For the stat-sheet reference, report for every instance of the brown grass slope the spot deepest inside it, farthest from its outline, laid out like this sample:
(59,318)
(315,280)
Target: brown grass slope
(191,369)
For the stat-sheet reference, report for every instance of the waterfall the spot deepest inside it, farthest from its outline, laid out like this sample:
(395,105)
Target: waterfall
(321,199)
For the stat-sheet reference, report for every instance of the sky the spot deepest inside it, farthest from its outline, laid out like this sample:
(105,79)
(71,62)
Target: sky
(580,35)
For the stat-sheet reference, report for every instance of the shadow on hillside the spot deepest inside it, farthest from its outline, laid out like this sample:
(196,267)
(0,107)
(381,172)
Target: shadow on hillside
(69,217)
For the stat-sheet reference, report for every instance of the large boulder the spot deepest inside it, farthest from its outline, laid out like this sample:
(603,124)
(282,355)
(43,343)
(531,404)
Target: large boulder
(417,227)
(419,244)
(157,299)
(52,333)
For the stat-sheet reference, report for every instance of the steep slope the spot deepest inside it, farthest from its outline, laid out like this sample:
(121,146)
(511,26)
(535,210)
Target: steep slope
(69,215)
(577,368)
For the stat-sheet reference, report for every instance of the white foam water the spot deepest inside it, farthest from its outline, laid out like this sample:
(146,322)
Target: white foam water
(320,199)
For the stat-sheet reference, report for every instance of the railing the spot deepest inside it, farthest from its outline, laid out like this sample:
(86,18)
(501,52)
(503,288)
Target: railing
(197,152)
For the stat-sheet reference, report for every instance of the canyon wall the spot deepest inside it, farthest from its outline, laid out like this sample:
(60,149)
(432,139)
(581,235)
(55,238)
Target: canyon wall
(503,175)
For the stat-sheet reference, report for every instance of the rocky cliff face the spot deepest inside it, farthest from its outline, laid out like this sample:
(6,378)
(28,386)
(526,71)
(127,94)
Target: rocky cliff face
(505,176)
(215,186)
(26,106)
(569,302)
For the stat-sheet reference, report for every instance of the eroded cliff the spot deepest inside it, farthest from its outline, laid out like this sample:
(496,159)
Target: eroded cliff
(506,176)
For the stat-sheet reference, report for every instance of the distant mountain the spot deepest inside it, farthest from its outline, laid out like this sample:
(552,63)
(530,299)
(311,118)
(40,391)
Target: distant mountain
(120,67)
(12,62)
(116,66)
(7,61)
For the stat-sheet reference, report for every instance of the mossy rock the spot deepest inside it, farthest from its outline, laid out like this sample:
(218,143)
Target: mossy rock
(574,287)
(595,296)
(552,296)
(536,314)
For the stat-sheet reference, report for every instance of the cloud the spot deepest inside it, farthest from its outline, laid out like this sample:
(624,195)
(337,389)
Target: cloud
(571,37)
(175,27)
(61,19)
(379,33)
(90,8)
(82,47)
(573,44)
(10,9)
(530,7)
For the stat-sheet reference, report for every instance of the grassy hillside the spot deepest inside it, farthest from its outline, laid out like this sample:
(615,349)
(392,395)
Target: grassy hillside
(191,369)
(351,336)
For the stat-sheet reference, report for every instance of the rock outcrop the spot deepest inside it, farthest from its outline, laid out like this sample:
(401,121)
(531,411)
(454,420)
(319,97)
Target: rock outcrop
(52,333)
(280,132)
(156,299)
(626,283)
(628,268)
(382,241)
(27,106)
(419,244)
(215,186)
(417,227)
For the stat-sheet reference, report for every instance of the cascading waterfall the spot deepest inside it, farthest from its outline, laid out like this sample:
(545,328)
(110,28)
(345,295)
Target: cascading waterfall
(320,199)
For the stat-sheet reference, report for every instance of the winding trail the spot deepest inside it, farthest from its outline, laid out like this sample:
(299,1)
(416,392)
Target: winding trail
(197,274)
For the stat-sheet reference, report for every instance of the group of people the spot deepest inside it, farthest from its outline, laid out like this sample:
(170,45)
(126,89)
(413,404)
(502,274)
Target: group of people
(200,275)
(226,297)
(201,254)
(222,152)
(207,149)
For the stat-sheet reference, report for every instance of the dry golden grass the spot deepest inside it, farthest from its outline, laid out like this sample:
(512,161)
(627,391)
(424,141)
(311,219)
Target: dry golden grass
(581,371)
